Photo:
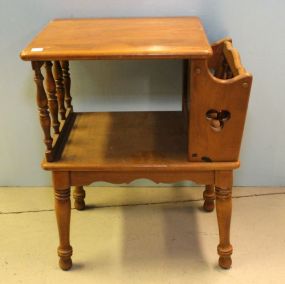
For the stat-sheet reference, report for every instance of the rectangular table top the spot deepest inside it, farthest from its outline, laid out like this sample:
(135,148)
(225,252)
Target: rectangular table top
(119,38)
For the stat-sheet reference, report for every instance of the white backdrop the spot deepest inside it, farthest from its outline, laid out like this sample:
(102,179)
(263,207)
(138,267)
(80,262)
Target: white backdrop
(258,30)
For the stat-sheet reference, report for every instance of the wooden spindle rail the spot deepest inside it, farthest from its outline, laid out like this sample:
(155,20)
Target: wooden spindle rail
(60,92)
(67,83)
(42,103)
(52,100)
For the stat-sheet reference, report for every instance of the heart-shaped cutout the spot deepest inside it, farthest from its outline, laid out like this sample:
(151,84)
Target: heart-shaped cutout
(217,118)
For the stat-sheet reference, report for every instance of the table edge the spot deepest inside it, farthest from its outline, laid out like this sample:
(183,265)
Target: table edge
(173,167)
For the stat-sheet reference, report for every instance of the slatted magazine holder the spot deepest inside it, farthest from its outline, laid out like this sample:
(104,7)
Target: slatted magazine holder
(201,143)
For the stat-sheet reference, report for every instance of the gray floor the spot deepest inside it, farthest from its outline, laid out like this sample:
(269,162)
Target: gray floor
(172,241)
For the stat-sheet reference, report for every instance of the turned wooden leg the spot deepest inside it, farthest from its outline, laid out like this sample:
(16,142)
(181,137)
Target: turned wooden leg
(209,197)
(79,195)
(224,210)
(63,210)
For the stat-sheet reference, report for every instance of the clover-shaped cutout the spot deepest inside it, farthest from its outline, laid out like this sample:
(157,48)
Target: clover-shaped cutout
(217,118)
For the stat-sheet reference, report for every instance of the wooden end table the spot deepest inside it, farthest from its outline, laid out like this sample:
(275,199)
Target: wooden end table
(200,143)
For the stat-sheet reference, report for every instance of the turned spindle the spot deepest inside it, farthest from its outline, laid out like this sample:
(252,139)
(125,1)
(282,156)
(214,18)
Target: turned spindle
(52,100)
(224,211)
(42,103)
(63,212)
(60,92)
(67,83)
(209,197)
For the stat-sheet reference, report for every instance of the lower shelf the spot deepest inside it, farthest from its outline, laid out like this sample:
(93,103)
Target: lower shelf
(128,140)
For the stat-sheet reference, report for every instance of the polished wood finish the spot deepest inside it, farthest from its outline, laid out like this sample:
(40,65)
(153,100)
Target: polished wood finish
(116,143)
(67,82)
(52,100)
(170,176)
(186,86)
(42,103)
(121,38)
(79,195)
(218,111)
(233,59)
(209,197)
(224,213)
(62,211)
(60,139)
(201,143)
(48,104)
(60,90)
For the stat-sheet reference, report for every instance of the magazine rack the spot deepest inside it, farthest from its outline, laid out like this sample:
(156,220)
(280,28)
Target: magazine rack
(201,143)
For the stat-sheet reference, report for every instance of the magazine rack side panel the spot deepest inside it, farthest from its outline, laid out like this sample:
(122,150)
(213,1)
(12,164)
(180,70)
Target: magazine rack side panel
(217,114)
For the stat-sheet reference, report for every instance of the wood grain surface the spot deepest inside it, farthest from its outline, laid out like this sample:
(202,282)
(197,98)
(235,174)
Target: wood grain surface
(129,141)
(118,38)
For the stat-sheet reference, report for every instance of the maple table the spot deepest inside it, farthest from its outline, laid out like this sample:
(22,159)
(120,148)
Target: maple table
(200,143)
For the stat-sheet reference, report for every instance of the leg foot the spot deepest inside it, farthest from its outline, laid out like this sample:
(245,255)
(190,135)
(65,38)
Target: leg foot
(224,210)
(225,262)
(63,211)
(209,197)
(65,262)
(79,195)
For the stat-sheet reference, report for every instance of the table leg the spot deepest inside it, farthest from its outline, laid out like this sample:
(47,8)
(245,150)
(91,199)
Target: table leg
(79,195)
(63,212)
(224,211)
(209,197)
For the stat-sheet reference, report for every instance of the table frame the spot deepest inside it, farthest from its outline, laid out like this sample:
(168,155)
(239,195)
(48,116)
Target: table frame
(214,104)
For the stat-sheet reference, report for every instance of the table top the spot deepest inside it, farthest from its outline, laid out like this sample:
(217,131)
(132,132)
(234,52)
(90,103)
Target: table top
(120,38)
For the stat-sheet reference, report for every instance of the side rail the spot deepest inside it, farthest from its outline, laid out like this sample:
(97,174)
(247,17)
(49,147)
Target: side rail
(54,104)
(219,94)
